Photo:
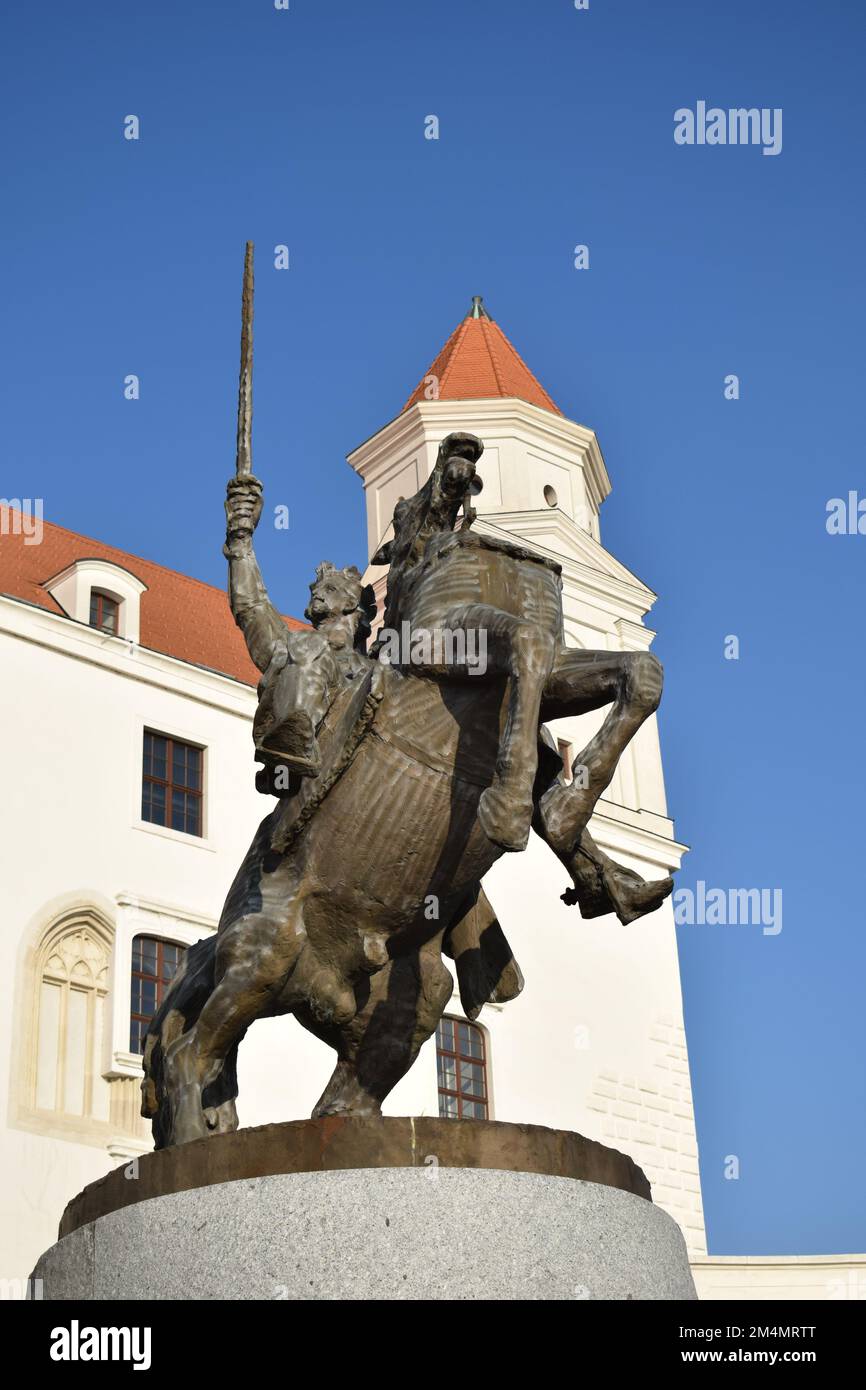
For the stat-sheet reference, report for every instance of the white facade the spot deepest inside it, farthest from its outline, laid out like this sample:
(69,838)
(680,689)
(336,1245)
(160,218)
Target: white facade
(815,1278)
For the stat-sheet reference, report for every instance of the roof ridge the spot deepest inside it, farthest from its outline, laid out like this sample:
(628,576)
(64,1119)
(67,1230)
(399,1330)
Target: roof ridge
(458,335)
(486,325)
(180,615)
(528,369)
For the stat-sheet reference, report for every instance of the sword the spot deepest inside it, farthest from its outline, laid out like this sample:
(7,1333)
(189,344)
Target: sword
(244,455)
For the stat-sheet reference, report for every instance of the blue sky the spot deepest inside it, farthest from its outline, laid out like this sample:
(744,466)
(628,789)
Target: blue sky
(556,128)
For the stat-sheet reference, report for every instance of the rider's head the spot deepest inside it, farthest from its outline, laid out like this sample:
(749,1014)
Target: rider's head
(336,593)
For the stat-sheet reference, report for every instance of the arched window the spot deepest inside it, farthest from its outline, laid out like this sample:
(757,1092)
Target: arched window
(104,612)
(154,964)
(73,969)
(461,1065)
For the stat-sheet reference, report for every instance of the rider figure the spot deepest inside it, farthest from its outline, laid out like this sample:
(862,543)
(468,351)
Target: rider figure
(302,670)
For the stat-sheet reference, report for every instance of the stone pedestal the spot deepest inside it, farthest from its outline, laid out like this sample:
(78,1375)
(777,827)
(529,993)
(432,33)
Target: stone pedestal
(372,1209)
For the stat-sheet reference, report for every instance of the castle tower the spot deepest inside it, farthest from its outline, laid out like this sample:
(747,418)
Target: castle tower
(596,1042)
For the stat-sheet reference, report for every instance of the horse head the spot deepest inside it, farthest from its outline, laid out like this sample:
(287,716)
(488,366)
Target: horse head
(435,506)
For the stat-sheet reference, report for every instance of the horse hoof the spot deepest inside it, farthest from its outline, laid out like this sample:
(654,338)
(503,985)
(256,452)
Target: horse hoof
(564,810)
(504,819)
(189,1121)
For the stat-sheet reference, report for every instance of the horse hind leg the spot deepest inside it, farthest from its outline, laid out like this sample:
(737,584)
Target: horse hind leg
(405,1002)
(179,1012)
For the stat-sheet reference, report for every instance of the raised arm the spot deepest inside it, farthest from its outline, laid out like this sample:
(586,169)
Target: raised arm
(255,615)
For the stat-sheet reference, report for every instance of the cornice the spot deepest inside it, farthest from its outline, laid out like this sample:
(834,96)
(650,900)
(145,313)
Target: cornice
(77,641)
(598,572)
(429,417)
(87,564)
(640,834)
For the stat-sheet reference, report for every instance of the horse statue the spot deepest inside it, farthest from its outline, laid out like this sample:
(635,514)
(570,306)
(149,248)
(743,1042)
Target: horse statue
(402,771)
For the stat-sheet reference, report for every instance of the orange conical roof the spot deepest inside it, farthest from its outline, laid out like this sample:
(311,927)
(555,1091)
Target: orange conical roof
(478,362)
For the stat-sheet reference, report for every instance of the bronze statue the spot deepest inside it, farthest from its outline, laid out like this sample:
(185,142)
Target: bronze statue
(399,787)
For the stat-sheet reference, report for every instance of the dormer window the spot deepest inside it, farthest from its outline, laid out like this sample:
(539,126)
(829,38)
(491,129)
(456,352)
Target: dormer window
(104,612)
(101,594)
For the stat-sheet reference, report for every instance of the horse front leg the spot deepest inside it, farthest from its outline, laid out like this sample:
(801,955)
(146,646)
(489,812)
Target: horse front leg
(199,1057)
(255,953)
(631,682)
(179,1012)
(525,653)
(583,681)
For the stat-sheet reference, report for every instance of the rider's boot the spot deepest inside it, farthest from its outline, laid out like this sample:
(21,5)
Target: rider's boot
(602,886)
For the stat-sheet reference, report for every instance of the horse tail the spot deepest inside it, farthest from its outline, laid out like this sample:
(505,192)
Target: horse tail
(487,972)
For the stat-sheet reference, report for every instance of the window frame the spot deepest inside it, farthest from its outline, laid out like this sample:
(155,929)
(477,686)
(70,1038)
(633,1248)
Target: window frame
(100,597)
(137,916)
(162,984)
(172,740)
(464,1097)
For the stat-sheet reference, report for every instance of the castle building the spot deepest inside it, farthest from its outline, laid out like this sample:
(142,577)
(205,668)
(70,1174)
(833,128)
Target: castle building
(127,703)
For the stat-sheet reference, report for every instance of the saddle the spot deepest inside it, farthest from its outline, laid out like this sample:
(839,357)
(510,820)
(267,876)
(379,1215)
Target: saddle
(465,567)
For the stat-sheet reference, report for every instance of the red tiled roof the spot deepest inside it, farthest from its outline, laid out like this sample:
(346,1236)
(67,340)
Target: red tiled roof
(181,617)
(477,362)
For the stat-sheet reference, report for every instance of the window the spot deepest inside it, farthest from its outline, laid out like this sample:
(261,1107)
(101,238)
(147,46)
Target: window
(171,790)
(70,1017)
(154,965)
(461,1065)
(103,612)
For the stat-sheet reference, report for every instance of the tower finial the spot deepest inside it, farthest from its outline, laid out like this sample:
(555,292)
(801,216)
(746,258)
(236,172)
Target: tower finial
(478,310)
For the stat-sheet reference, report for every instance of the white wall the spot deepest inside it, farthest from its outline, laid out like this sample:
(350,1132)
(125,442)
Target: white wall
(73,705)
(817,1278)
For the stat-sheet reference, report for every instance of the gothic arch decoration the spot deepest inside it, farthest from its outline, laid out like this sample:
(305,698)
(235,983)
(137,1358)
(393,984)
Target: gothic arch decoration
(69,991)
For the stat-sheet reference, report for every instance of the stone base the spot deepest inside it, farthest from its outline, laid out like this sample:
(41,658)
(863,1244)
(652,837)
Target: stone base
(425,1228)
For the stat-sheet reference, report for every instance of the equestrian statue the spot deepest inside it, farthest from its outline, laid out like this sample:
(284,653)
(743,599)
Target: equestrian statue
(399,782)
